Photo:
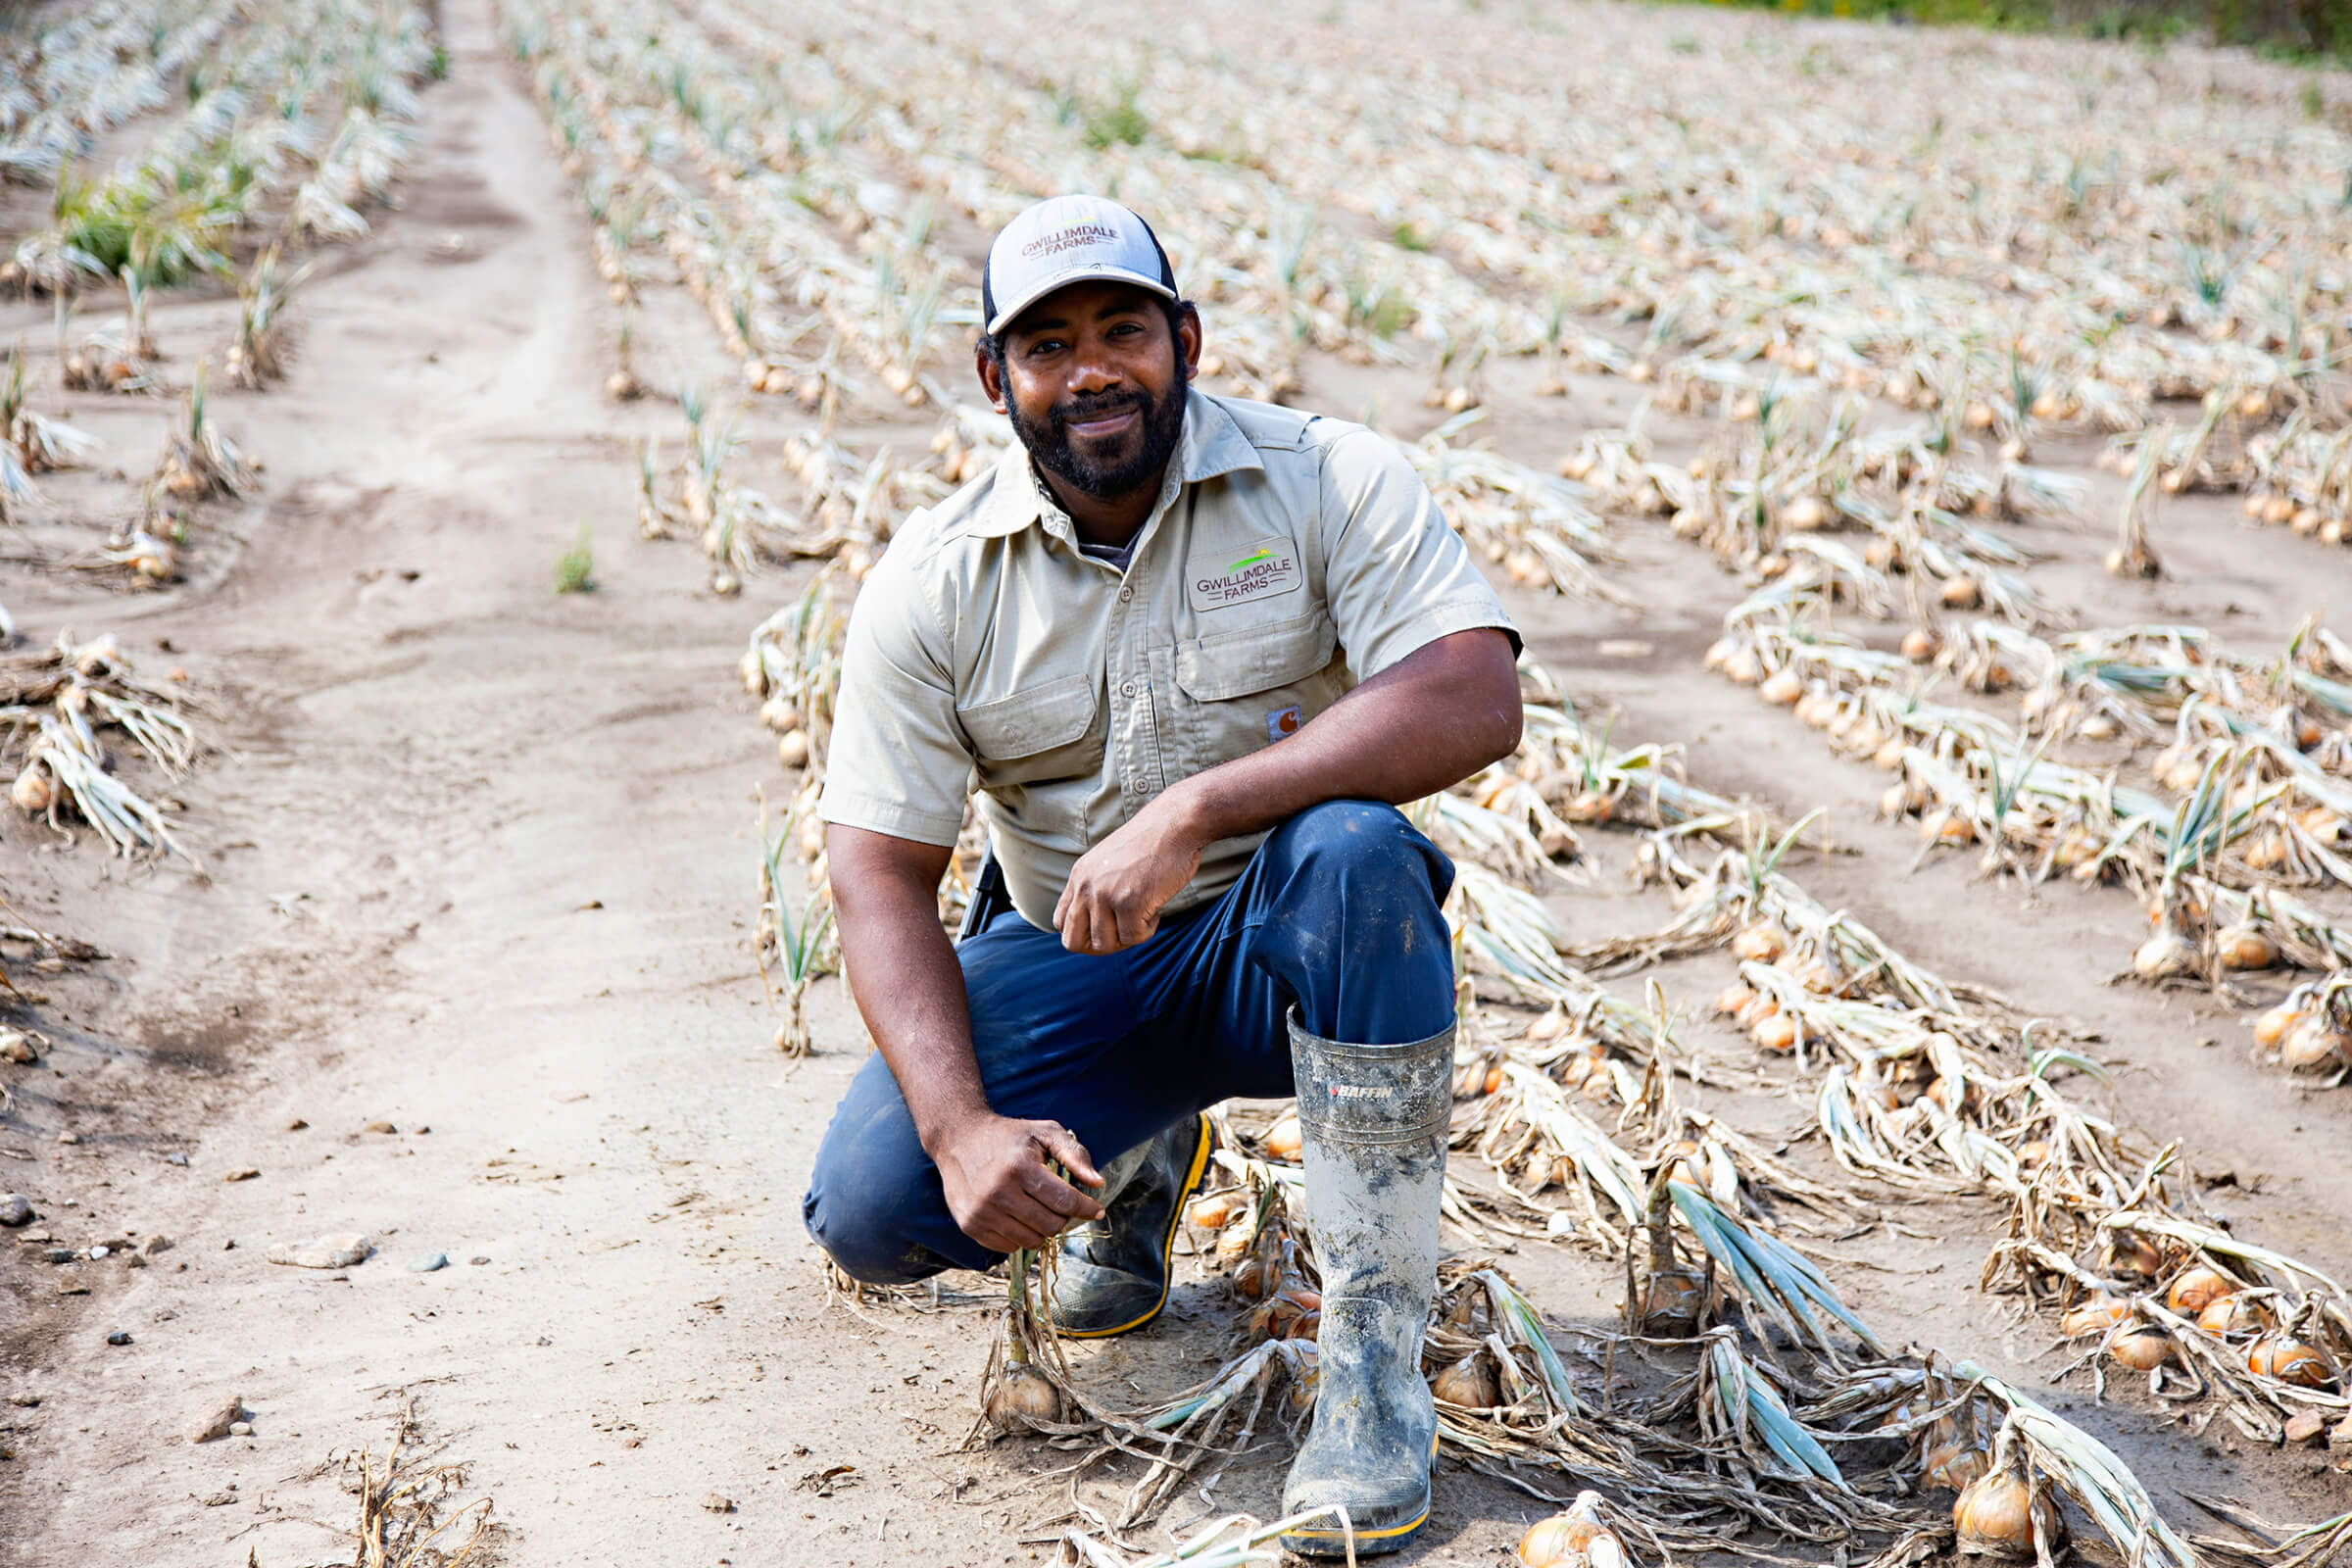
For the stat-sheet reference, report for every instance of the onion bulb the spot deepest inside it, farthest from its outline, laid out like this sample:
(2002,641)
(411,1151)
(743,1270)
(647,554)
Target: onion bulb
(2243,946)
(2094,1317)
(1284,1141)
(1920,645)
(1284,1314)
(1782,688)
(1776,1033)
(1469,1383)
(2163,955)
(1733,998)
(2140,1349)
(2198,1289)
(1574,1539)
(2237,1313)
(1996,1513)
(1960,593)
(1760,942)
(1806,514)
(2289,1360)
(2316,1045)
(2272,1028)
(1890,755)
(1256,1278)
(33,791)
(1022,1399)
(1743,668)
(1212,1212)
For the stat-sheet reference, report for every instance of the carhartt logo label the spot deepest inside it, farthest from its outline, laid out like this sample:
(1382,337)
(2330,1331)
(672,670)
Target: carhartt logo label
(1270,566)
(1284,722)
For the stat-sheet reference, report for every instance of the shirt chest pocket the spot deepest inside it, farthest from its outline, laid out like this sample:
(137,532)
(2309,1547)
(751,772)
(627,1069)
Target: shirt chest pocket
(1253,685)
(1045,734)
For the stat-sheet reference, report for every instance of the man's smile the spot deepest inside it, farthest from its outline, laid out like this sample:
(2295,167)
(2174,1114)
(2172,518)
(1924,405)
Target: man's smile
(1105,425)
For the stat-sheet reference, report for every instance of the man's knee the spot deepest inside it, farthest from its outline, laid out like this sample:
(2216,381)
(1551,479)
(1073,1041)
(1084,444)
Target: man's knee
(1363,841)
(863,1225)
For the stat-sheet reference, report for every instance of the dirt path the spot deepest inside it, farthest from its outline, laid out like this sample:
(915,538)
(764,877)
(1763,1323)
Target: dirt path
(482,863)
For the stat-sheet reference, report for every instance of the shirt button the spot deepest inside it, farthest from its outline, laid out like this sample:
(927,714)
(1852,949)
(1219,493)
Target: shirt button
(1126,594)
(1126,688)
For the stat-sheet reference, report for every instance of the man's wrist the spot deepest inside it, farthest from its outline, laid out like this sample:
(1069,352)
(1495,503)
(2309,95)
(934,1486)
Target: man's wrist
(941,1130)
(1191,812)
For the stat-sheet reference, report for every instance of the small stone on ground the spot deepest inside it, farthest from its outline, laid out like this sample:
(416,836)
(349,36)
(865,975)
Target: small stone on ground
(340,1251)
(427,1262)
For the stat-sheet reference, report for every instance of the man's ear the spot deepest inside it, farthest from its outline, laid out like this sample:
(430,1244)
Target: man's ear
(991,379)
(1187,342)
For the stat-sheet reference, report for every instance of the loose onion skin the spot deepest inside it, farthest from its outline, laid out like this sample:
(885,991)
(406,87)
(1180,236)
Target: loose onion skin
(1956,1465)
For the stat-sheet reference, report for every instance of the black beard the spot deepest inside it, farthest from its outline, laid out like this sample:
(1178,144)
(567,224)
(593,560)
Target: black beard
(1051,450)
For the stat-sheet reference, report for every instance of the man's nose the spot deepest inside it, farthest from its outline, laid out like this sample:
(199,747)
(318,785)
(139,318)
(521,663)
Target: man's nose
(1095,368)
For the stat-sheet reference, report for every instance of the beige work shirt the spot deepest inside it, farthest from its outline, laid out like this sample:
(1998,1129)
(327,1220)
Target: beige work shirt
(1288,556)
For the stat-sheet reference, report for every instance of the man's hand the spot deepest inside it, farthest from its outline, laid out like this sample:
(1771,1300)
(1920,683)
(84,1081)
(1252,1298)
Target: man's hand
(1116,890)
(999,1189)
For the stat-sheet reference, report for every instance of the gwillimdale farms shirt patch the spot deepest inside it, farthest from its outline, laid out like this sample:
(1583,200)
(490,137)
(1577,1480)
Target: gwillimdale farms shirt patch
(1266,568)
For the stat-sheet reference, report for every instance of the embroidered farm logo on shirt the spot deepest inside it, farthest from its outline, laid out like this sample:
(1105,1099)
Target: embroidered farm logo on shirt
(1269,566)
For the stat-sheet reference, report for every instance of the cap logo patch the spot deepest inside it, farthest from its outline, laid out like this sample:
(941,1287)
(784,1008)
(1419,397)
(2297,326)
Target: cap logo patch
(1069,239)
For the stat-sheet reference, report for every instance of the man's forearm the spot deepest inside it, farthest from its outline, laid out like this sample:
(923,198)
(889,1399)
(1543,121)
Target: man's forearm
(1426,723)
(910,989)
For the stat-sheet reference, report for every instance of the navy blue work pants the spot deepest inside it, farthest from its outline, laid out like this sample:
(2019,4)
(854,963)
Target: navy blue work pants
(1338,913)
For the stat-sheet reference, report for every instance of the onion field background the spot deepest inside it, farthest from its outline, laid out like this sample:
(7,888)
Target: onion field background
(442,444)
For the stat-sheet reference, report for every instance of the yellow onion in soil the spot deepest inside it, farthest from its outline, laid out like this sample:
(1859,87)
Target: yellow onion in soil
(2272,1026)
(2316,1045)
(33,791)
(1283,1139)
(1212,1212)
(1469,1383)
(792,748)
(1287,1314)
(1782,688)
(1762,942)
(2198,1289)
(1995,1515)
(2140,1349)
(1890,755)
(2289,1360)
(2243,946)
(2094,1317)
(1573,1539)
(1776,1033)
(1256,1278)
(2235,1314)
(1920,645)
(2163,955)
(1733,998)
(1023,1397)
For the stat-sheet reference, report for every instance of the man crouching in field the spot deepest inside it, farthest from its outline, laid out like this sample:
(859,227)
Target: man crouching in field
(1192,651)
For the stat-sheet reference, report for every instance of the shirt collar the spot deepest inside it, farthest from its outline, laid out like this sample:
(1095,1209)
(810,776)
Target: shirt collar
(1212,444)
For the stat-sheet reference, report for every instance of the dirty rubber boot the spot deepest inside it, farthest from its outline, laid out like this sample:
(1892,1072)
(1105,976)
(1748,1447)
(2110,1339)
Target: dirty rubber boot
(1113,1275)
(1374,1122)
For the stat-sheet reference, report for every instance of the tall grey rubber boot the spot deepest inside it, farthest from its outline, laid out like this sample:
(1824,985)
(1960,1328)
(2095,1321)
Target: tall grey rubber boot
(1373,1118)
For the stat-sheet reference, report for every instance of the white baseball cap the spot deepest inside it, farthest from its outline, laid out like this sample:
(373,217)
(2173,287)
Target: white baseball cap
(1063,241)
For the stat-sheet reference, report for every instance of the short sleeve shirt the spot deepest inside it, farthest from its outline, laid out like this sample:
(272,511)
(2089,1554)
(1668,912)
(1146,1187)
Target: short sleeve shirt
(1288,556)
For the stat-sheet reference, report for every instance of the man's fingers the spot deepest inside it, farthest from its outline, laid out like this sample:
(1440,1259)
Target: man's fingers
(1075,933)
(1057,1142)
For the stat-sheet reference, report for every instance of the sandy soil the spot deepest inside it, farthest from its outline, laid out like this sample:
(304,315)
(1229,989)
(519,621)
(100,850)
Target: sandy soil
(482,866)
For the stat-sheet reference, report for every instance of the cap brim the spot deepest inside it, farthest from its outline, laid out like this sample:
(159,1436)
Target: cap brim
(1007,313)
